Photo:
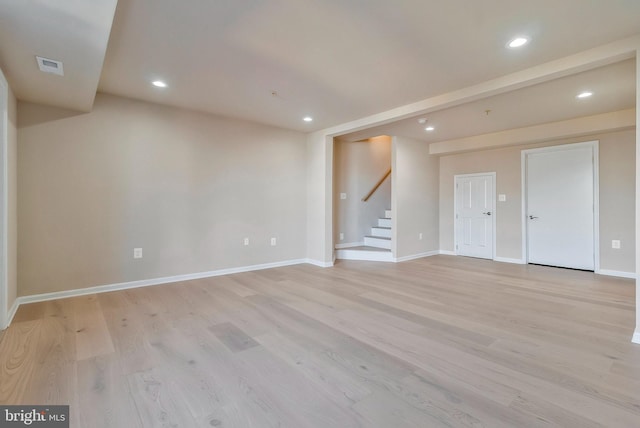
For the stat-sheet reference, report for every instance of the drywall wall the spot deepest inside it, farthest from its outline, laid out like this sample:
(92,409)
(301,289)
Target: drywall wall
(8,206)
(358,166)
(415,198)
(12,201)
(636,335)
(617,196)
(319,167)
(185,187)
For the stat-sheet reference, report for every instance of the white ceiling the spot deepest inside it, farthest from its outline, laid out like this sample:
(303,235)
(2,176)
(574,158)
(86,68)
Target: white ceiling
(74,32)
(337,60)
(613,89)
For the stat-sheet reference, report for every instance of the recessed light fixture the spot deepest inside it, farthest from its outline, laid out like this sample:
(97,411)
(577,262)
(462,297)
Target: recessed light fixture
(518,42)
(429,128)
(47,65)
(159,84)
(422,120)
(308,119)
(585,94)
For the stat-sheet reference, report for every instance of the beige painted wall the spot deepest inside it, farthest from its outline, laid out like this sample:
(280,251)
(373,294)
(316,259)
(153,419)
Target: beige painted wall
(358,165)
(319,180)
(184,186)
(617,196)
(415,198)
(12,200)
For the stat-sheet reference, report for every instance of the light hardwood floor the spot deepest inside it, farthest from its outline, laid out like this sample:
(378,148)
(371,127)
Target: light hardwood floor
(440,341)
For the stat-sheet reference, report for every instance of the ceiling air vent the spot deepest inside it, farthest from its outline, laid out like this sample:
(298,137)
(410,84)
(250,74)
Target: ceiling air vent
(50,66)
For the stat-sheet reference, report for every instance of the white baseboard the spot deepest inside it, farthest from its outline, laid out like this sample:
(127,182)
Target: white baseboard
(349,245)
(371,256)
(12,312)
(319,263)
(416,256)
(617,273)
(636,337)
(508,260)
(447,252)
(4,323)
(149,282)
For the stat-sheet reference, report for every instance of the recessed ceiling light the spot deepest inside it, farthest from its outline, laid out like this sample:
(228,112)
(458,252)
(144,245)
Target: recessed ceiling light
(518,42)
(159,84)
(50,65)
(308,119)
(429,128)
(585,94)
(422,120)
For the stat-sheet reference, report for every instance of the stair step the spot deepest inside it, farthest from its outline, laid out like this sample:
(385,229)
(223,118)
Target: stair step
(384,222)
(387,213)
(384,232)
(364,253)
(376,241)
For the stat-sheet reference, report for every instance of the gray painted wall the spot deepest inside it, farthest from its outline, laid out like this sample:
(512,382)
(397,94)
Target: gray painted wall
(184,186)
(415,198)
(617,196)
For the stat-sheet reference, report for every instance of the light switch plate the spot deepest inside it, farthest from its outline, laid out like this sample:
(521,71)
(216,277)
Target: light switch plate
(502,197)
(615,243)
(343,196)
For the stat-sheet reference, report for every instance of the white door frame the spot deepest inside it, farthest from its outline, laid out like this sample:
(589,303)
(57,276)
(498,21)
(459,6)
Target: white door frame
(4,186)
(596,196)
(456,177)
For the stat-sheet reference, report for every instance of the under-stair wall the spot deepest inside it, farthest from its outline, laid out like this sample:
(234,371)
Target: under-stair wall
(357,168)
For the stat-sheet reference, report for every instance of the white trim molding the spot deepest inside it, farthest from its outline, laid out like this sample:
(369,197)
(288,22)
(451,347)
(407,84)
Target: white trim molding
(416,256)
(509,260)
(155,281)
(636,337)
(617,273)
(349,245)
(447,252)
(12,311)
(317,263)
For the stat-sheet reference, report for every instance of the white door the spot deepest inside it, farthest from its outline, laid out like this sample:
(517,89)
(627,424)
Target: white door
(560,206)
(475,215)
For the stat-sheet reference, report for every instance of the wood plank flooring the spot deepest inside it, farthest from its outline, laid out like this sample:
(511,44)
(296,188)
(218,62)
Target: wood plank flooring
(436,342)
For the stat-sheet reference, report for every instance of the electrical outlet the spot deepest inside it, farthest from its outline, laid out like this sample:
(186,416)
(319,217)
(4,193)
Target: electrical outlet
(342,236)
(615,244)
(137,253)
(273,242)
(246,241)
(343,196)
(420,236)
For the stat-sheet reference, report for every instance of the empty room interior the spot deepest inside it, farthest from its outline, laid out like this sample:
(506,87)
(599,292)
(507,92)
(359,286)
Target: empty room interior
(320,213)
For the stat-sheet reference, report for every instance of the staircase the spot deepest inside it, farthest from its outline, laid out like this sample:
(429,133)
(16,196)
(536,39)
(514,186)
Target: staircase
(377,246)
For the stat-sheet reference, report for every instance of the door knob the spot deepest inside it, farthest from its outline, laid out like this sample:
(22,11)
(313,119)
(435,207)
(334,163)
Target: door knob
(532,217)
(487,213)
